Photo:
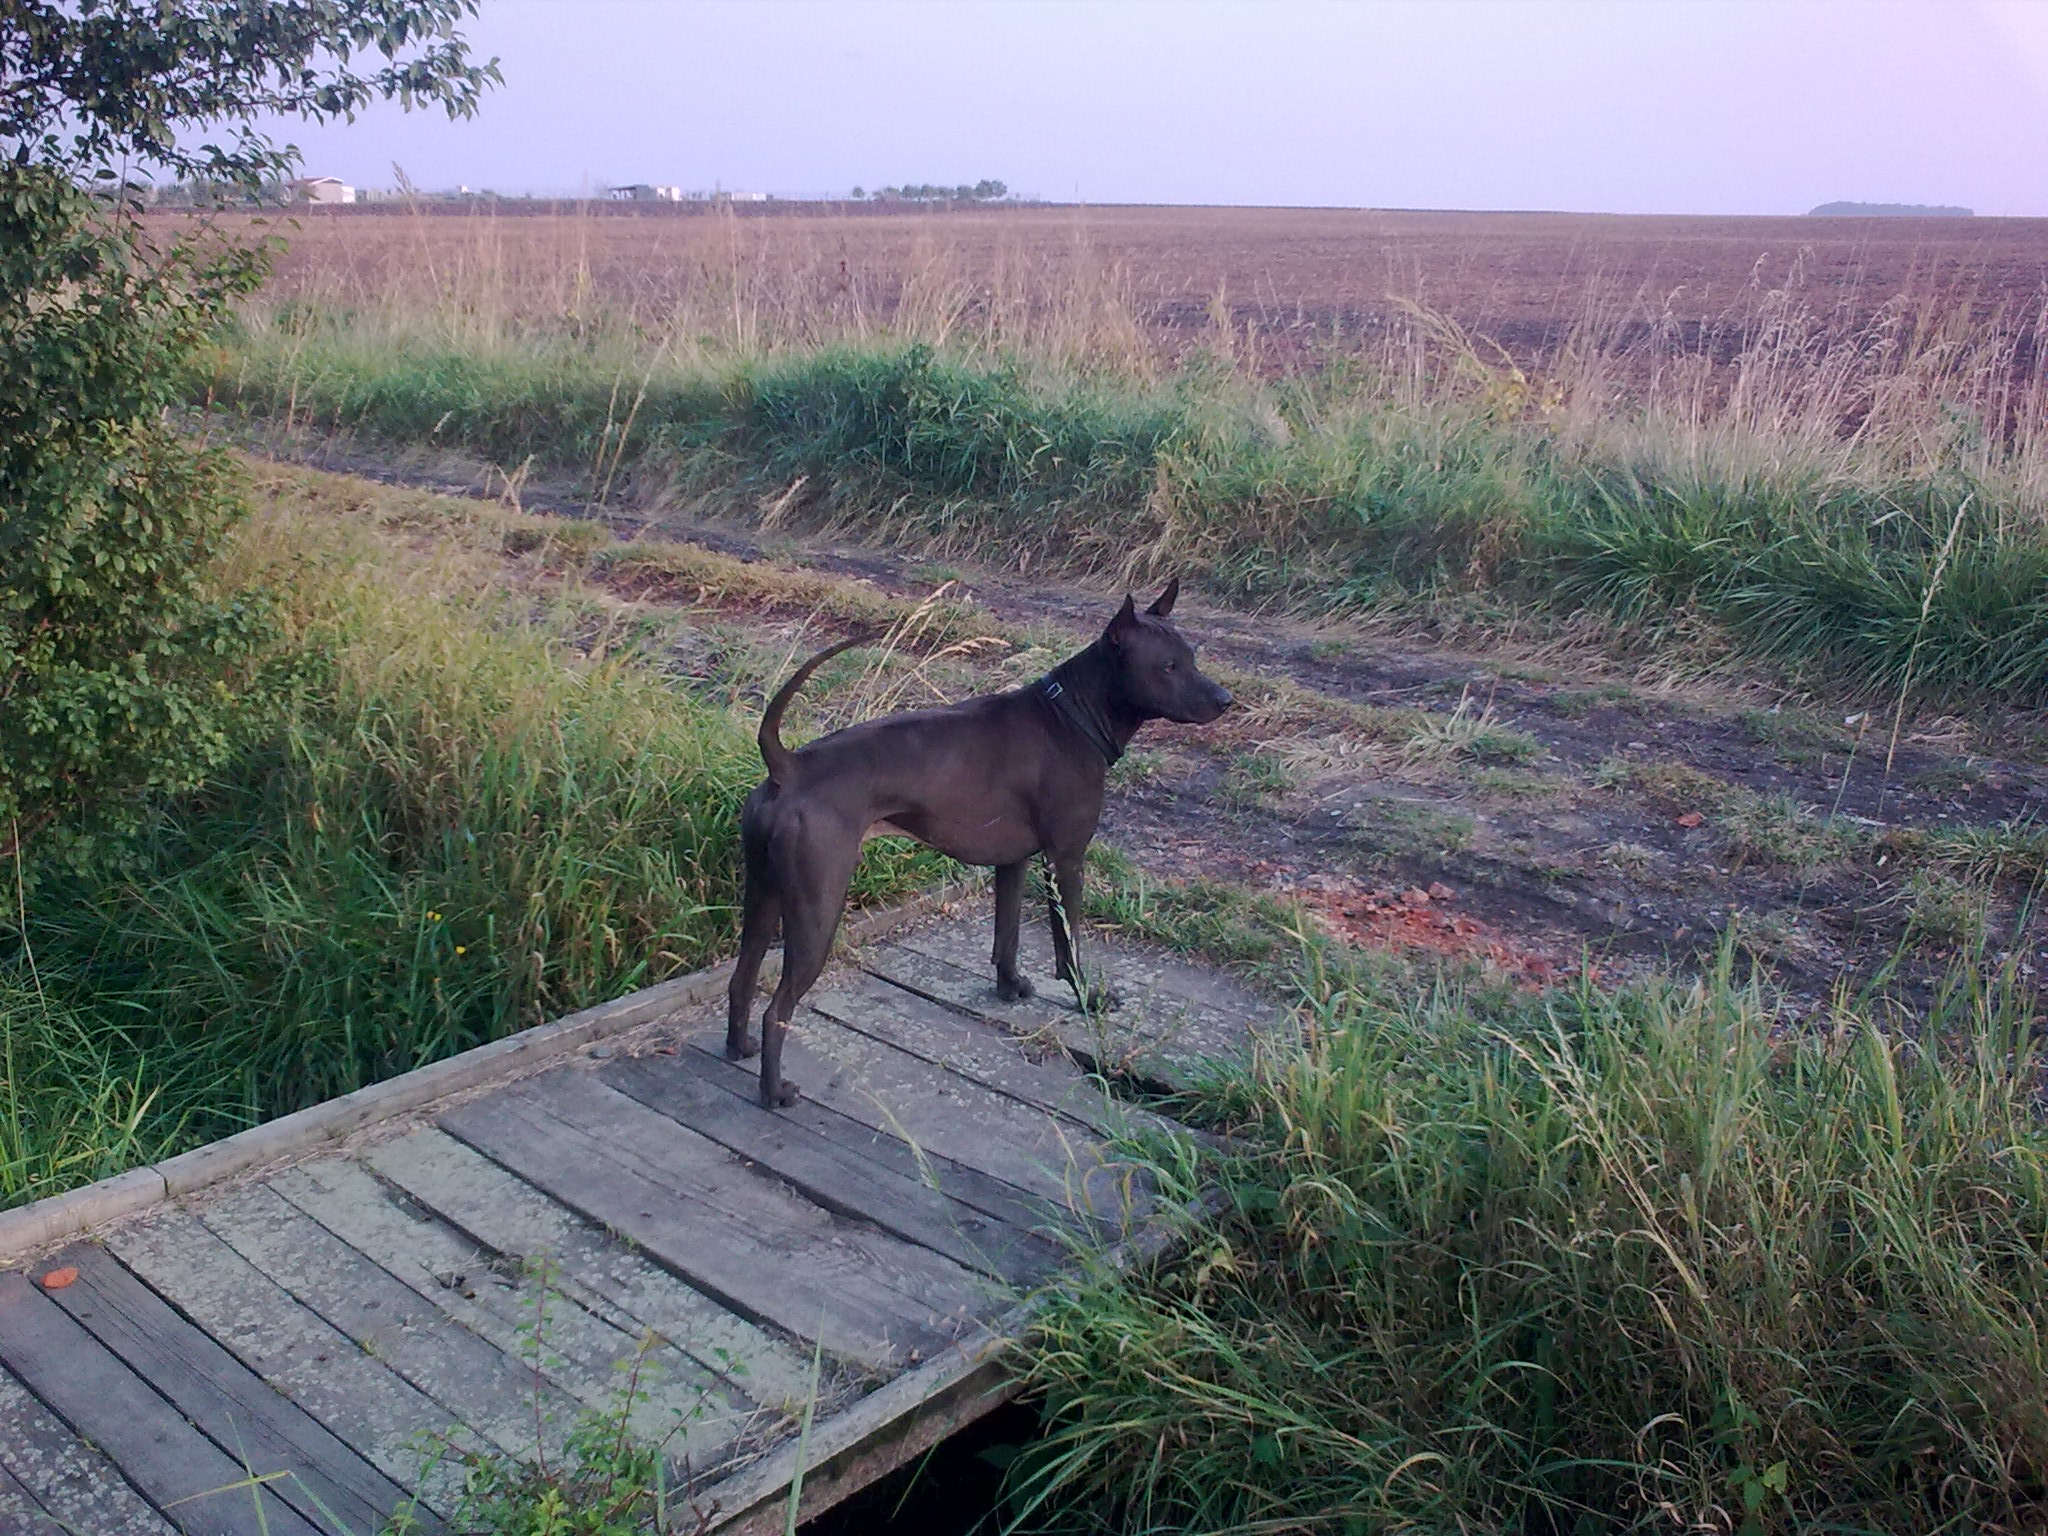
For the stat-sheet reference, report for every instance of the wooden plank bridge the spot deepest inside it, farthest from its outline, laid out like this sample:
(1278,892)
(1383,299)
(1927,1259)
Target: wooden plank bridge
(267,1337)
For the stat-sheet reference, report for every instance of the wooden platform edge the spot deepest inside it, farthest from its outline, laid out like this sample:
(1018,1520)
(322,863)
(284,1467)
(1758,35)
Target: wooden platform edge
(868,1441)
(74,1213)
(907,1416)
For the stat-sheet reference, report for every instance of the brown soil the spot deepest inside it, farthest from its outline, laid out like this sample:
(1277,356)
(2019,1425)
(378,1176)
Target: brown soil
(1423,921)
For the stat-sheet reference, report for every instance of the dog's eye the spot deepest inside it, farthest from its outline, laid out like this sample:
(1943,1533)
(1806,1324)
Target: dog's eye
(1171,665)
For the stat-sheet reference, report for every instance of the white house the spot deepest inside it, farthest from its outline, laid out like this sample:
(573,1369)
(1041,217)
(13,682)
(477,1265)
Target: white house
(643,192)
(323,189)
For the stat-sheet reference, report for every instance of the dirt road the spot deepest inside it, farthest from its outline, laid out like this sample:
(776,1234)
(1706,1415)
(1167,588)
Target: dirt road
(1540,812)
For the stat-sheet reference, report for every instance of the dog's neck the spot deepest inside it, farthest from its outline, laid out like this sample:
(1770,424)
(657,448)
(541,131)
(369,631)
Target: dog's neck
(1080,693)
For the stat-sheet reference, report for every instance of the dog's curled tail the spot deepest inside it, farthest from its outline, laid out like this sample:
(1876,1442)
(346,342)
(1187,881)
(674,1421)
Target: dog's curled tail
(773,752)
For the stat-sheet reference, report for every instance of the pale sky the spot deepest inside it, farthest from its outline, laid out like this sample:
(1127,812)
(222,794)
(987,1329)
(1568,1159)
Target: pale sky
(1619,106)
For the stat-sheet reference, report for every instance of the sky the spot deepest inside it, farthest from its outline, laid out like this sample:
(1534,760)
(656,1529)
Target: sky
(1598,106)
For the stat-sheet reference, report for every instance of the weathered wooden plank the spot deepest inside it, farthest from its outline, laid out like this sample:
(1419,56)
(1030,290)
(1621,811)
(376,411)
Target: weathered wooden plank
(822,1111)
(1161,1039)
(950,1115)
(55,1218)
(495,1395)
(178,1469)
(681,1405)
(21,1514)
(75,1212)
(882,1433)
(1032,1069)
(222,1397)
(1143,971)
(68,1480)
(970,989)
(508,1215)
(324,1124)
(744,1239)
(827,1173)
(358,1397)
(892,1423)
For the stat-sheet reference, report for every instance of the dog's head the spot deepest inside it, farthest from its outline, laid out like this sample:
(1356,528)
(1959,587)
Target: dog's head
(1155,665)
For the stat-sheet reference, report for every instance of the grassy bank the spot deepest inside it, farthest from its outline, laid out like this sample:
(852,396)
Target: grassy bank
(1907,553)
(1589,1263)
(465,817)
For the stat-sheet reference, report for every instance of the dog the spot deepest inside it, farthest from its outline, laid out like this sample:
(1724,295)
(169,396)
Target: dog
(992,780)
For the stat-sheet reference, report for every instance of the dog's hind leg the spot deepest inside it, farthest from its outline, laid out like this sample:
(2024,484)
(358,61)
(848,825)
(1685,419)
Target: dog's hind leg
(763,912)
(1011,984)
(811,906)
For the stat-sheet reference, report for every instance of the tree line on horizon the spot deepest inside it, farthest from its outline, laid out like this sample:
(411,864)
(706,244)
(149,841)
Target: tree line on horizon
(925,192)
(1890,211)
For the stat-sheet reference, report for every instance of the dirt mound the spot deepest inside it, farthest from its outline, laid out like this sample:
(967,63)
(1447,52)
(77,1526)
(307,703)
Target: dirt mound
(1419,919)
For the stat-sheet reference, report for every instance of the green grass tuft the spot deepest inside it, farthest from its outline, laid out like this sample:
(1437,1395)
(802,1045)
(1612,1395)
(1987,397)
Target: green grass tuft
(1596,1261)
(1823,559)
(464,825)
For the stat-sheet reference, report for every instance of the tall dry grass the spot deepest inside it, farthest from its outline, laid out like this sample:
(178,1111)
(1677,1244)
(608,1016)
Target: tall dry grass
(1849,487)
(717,284)
(1794,351)
(469,815)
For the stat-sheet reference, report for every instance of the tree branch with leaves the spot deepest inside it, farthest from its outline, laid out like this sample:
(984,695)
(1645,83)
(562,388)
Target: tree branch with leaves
(126,670)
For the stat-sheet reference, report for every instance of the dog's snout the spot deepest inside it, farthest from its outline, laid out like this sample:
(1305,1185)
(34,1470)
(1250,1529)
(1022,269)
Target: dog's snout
(1216,701)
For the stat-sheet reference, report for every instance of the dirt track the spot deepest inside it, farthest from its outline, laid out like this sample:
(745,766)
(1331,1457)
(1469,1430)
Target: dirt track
(1539,813)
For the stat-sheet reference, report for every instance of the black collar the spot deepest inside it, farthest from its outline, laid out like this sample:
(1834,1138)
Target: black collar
(1081,714)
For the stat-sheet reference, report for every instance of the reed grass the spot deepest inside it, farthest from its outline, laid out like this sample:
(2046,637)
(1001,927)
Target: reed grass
(472,816)
(1861,503)
(1595,1262)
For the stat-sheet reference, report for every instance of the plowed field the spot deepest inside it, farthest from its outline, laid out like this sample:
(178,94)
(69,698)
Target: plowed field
(1277,283)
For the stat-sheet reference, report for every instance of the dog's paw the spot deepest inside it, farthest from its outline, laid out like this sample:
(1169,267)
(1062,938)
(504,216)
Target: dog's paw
(1014,989)
(783,1096)
(742,1048)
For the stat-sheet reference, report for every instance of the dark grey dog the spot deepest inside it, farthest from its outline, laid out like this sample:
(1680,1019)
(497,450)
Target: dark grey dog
(992,780)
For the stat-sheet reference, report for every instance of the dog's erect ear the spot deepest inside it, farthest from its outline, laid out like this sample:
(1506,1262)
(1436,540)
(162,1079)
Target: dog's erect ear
(1126,616)
(1164,603)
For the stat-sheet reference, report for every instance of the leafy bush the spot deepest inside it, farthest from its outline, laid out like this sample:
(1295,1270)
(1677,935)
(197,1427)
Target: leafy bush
(122,663)
(120,658)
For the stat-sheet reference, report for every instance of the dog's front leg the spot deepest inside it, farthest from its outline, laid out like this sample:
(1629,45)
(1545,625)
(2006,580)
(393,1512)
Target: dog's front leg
(1011,984)
(1064,912)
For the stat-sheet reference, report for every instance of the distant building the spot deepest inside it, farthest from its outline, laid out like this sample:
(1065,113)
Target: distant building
(748,197)
(323,189)
(645,192)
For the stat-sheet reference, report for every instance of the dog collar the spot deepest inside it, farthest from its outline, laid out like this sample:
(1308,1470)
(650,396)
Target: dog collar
(1068,707)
